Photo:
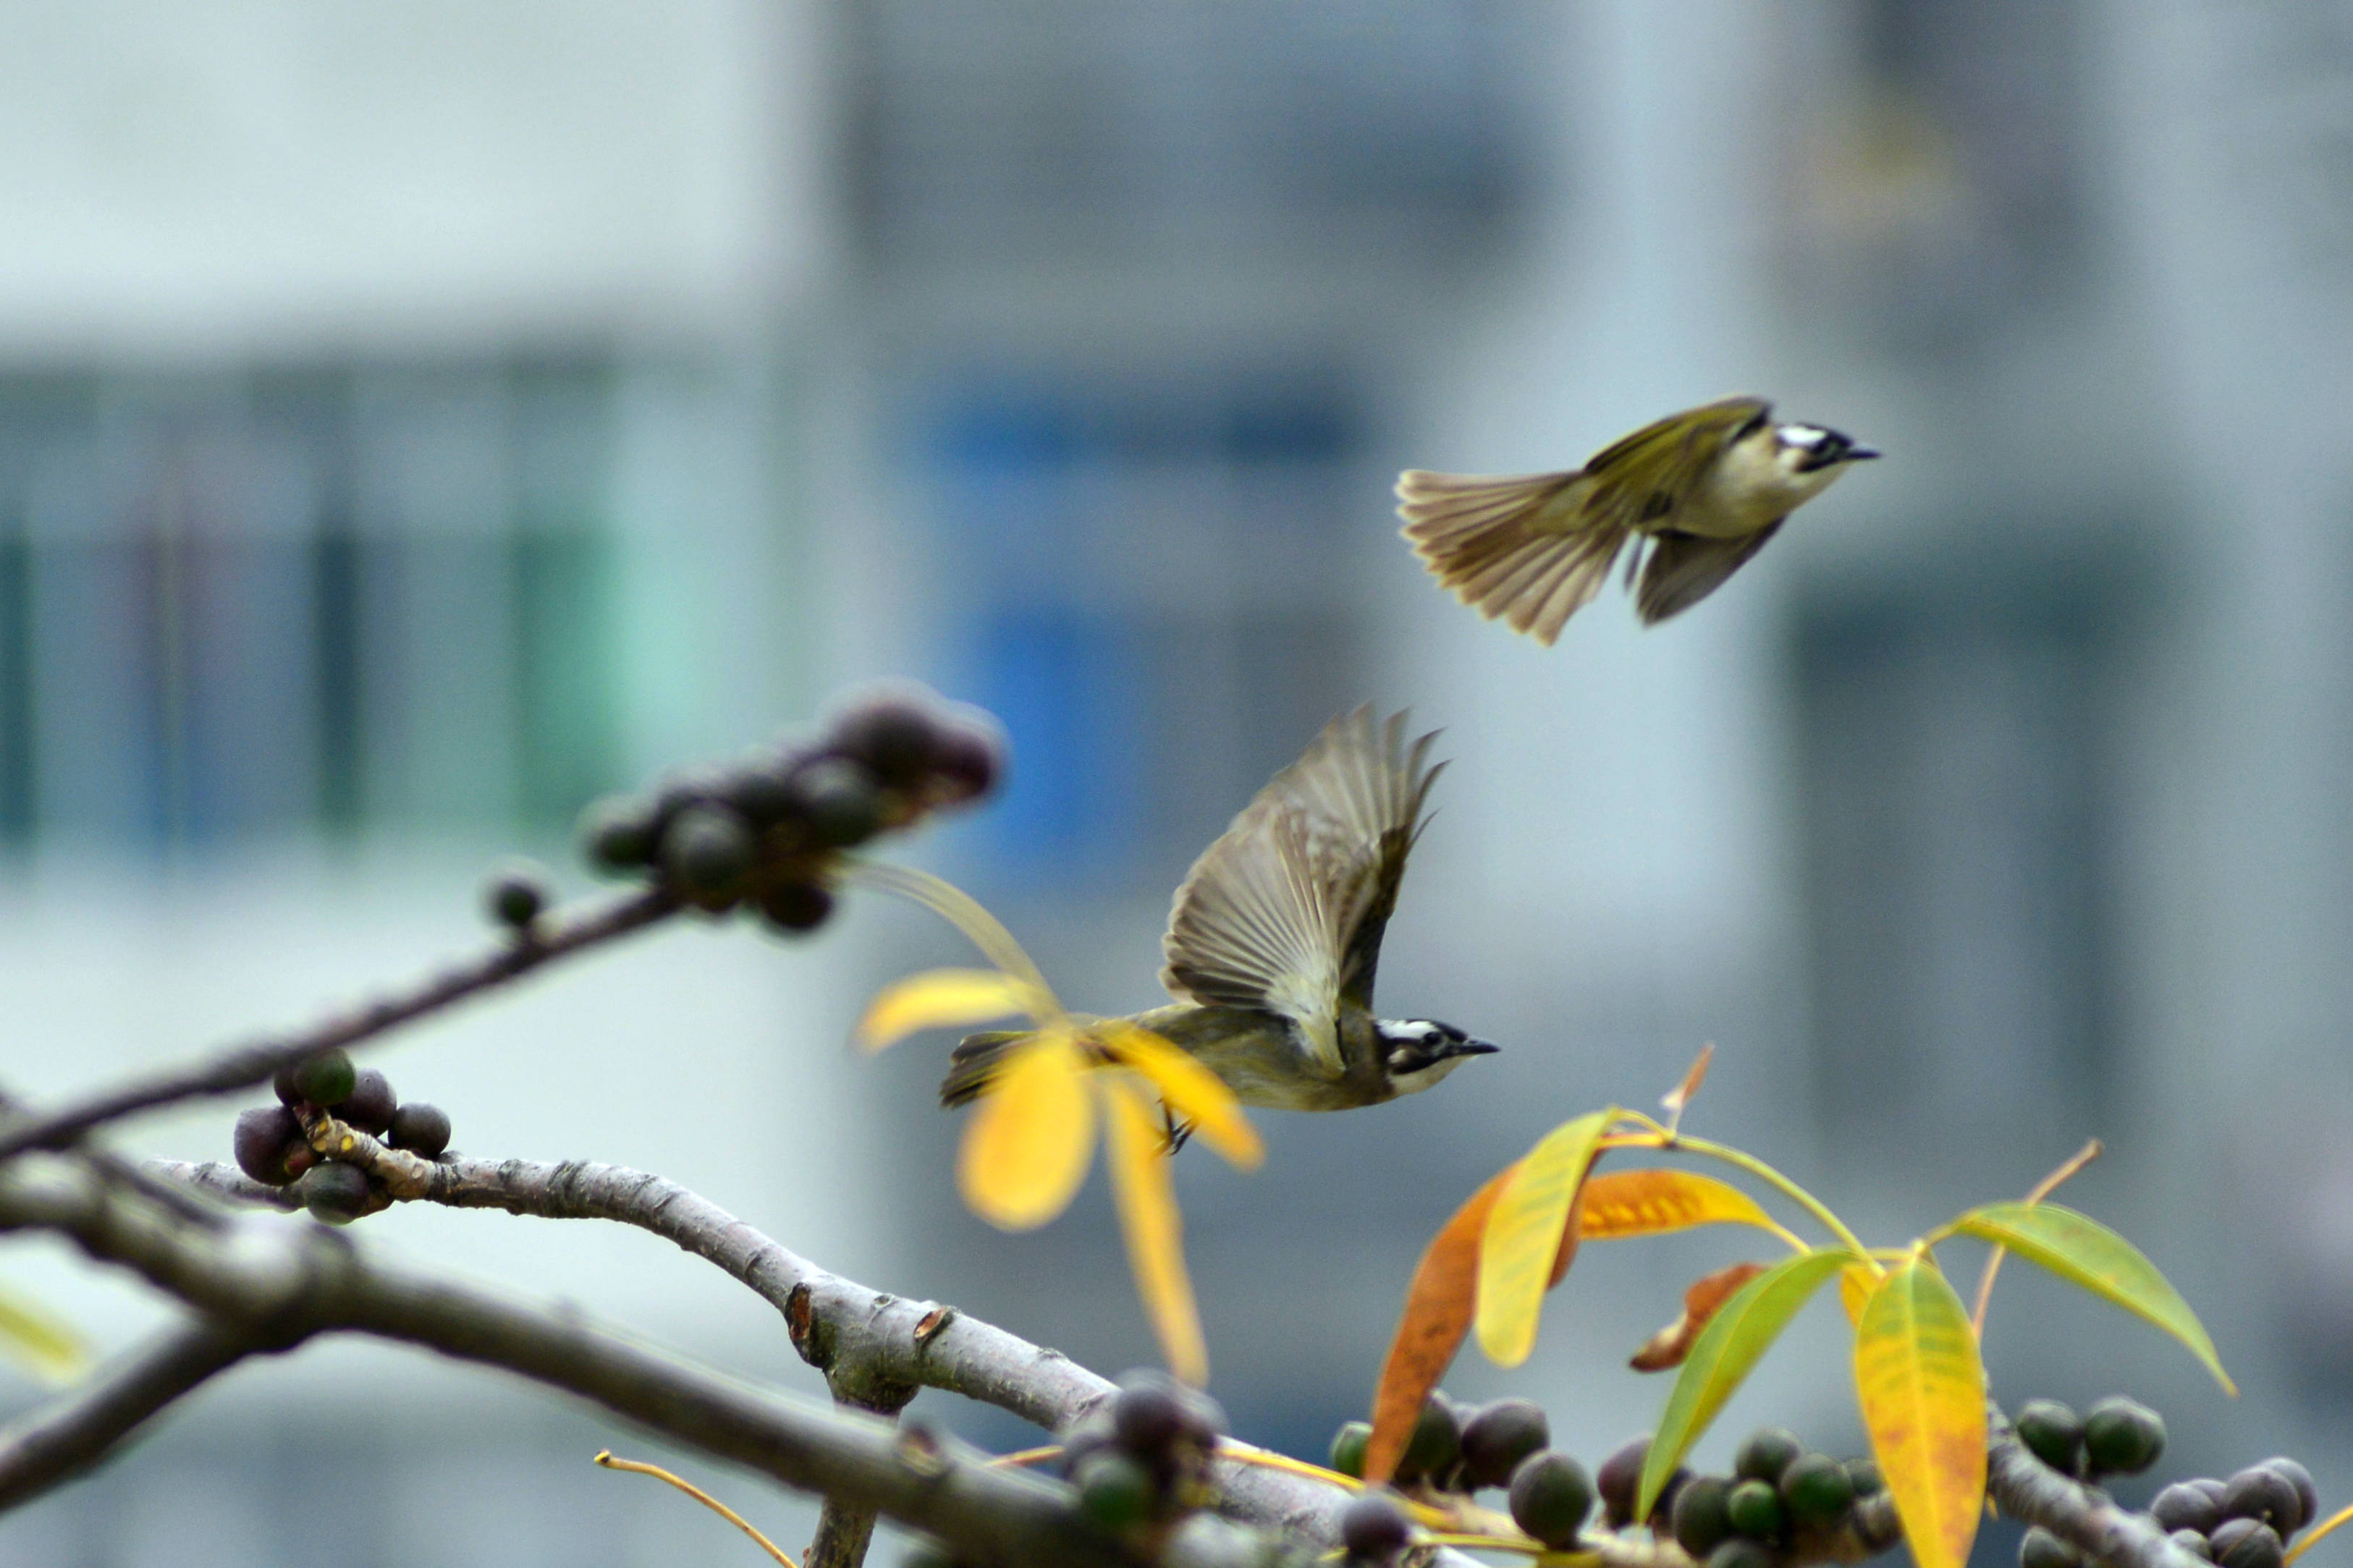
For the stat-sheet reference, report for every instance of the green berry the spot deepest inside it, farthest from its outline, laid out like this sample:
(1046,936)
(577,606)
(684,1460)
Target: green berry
(2053,1434)
(838,800)
(1371,1529)
(260,1142)
(1551,1496)
(1864,1472)
(705,849)
(334,1192)
(1115,1490)
(1817,1489)
(1765,1453)
(1739,1552)
(1755,1509)
(1348,1445)
(327,1079)
(1497,1436)
(1701,1523)
(1436,1443)
(420,1129)
(2041,1549)
(2121,1436)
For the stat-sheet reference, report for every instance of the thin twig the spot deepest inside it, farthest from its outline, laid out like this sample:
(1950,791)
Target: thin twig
(242,1067)
(638,1467)
(54,1442)
(2089,1151)
(2030,1491)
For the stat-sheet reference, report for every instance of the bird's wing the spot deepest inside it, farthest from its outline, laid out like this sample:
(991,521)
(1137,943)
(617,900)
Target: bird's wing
(1639,480)
(1285,911)
(1684,568)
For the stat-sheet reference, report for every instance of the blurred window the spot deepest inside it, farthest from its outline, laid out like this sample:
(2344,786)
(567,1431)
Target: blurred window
(1954,806)
(1149,588)
(1117,124)
(278,600)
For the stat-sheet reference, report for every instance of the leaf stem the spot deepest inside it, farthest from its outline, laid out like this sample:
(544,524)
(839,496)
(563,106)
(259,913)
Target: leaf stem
(2089,1151)
(638,1467)
(1742,1159)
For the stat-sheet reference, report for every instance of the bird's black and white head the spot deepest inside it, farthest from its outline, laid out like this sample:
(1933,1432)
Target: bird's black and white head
(1417,1052)
(1813,448)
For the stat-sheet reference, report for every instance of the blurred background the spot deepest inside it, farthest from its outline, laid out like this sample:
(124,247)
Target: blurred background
(417,419)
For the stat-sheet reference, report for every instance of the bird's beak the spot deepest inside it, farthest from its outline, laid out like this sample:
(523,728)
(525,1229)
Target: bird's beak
(1858,454)
(1476,1048)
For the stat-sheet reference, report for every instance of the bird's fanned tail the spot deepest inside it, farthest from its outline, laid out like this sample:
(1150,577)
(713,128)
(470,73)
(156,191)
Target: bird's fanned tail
(1481,537)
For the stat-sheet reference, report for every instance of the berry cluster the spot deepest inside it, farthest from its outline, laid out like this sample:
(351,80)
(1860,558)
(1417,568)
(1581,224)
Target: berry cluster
(2245,1521)
(1139,1460)
(272,1147)
(766,832)
(1459,1450)
(1778,1496)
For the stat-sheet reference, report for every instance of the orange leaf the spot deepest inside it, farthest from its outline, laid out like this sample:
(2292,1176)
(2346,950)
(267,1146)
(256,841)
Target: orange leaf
(1156,1232)
(1655,1201)
(1668,1346)
(1437,1307)
(1025,1151)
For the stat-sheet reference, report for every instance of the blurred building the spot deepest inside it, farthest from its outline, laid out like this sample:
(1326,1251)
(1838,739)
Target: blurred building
(398,449)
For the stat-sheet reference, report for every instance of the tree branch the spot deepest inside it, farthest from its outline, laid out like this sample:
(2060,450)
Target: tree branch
(2025,1487)
(59,1440)
(242,1067)
(270,1283)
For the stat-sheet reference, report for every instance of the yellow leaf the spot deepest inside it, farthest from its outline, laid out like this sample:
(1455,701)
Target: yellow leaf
(939,998)
(1156,1232)
(1524,1235)
(1026,1150)
(1923,1392)
(38,1340)
(1189,1089)
(1856,1282)
(1656,1201)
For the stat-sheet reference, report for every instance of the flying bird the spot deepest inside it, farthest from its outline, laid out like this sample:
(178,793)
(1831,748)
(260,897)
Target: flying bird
(1276,931)
(1706,489)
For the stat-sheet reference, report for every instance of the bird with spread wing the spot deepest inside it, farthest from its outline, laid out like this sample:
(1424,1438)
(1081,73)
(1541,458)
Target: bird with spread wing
(1276,933)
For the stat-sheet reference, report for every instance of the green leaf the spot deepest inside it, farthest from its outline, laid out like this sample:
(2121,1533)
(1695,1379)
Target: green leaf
(1523,1233)
(43,1343)
(1922,1386)
(2083,1251)
(1731,1343)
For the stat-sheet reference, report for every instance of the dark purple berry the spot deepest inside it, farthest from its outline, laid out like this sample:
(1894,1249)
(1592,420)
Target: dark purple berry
(2247,1544)
(1146,1418)
(371,1102)
(260,1143)
(1619,1478)
(2307,1496)
(1765,1453)
(2263,1494)
(795,907)
(705,849)
(970,760)
(1372,1527)
(2041,1549)
(1497,1436)
(894,732)
(2185,1505)
(420,1129)
(1436,1443)
(282,1084)
(621,833)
